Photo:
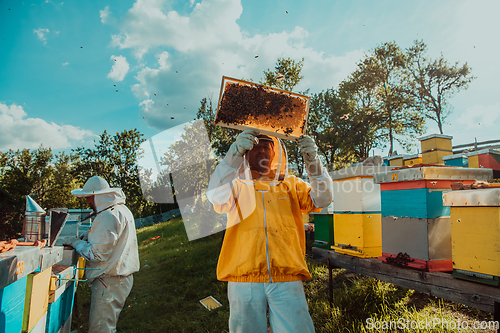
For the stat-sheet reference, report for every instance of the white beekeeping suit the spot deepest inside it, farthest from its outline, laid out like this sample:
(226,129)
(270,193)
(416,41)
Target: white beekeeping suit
(110,251)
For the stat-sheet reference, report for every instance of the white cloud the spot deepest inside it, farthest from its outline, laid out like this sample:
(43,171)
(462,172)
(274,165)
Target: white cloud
(19,132)
(104,14)
(41,34)
(120,68)
(65,64)
(203,46)
(479,116)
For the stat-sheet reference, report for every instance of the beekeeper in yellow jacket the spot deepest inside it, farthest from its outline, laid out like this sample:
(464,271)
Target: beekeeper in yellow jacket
(110,251)
(263,253)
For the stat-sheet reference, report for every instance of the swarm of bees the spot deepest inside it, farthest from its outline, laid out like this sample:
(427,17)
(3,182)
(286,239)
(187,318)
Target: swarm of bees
(244,105)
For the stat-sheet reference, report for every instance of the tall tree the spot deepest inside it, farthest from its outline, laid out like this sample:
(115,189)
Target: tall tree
(286,76)
(385,69)
(115,159)
(220,137)
(22,173)
(434,82)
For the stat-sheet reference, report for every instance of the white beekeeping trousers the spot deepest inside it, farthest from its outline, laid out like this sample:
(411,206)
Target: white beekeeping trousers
(108,297)
(249,302)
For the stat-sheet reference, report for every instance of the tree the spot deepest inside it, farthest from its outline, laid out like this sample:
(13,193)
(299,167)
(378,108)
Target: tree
(434,82)
(286,76)
(22,173)
(115,159)
(220,137)
(385,70)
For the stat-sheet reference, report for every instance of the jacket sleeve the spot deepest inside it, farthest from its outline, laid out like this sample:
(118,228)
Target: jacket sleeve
(103,236)
(321,186)
(221,183)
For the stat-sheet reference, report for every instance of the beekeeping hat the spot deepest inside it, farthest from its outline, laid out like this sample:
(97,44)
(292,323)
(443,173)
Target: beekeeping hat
(266,139)
(94,186)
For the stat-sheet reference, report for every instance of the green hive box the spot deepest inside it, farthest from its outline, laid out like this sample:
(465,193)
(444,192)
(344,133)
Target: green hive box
(323,230)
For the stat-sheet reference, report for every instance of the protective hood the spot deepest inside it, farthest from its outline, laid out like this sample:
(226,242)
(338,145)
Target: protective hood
(278,164)
(106,200)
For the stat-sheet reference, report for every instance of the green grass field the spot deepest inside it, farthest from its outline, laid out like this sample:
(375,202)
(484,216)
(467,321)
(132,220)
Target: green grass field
(176,274)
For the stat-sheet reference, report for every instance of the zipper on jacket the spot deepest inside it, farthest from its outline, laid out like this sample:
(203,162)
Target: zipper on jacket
(267,241)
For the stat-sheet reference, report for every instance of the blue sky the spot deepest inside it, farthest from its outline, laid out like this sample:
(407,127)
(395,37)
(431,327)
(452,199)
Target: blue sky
(72,69)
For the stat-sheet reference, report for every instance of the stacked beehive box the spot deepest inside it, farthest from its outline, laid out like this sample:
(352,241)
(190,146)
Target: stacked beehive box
(416,229)
(475,231)
(323,228)
(412,160)
(356,208)
(395,161)
(457,160)
(485,158)
(434,147)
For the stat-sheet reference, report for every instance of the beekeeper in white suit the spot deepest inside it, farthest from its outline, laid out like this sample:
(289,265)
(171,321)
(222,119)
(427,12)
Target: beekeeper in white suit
(110,251)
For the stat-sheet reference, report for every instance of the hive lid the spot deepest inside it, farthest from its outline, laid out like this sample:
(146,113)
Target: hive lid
(453,157)
(432,136)
(432,173)
(32,206)
(243,105)
(409,157)
(359,171)
(472,198)
(483,151)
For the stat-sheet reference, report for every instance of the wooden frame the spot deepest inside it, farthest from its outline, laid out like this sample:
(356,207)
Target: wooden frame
(305,100)
(439,284)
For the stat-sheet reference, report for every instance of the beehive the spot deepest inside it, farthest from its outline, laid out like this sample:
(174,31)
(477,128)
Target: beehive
(323,229)
(415,223)
(485,158)
(36,301)
(457,160)
(356,208)
(61,298)
(435,147)
(435,142)
(412,159)
(272,111)
(475,230)
(15,265)
(396,160)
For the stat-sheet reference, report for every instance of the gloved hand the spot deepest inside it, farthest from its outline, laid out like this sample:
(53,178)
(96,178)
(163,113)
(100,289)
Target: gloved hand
(72,241)
(84,236)
(245,141)
(308,148)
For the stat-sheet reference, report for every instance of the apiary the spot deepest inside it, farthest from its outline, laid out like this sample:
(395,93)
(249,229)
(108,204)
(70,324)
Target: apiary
(412,160)
(356,208)
(485,158)
(435,147)
(323,229)
(415,223)
(456,160)
(475,230)
(272,111)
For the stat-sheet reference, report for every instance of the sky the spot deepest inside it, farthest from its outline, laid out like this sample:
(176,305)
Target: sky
(72,69)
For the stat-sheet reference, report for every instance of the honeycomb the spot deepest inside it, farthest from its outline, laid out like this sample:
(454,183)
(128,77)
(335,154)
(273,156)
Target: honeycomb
(262,108)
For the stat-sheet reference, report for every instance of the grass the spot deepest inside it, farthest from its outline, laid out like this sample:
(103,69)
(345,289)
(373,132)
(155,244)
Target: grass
(176,274)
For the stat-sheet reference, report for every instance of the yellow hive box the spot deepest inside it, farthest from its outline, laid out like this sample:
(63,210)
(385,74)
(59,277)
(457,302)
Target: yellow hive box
(396,160)
(435,142)
(435,157)
(473,161)
(36,302)
(412,159)
(358,235)
(475,232)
